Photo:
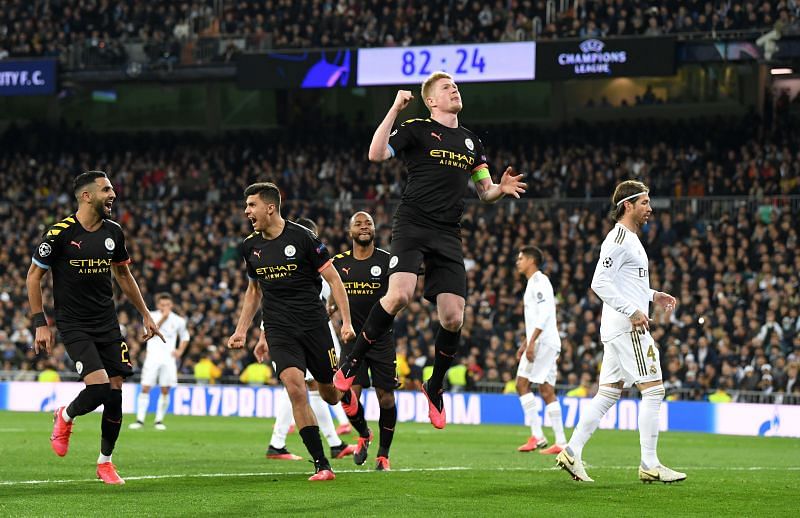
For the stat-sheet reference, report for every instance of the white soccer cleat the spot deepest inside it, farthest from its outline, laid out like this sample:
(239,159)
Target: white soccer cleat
(160,426)
(135,426)
(660,474)
(566,460)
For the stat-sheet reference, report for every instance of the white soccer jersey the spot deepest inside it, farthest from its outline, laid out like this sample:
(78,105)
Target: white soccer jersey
(173,329)
(622,281)
(325,292)
(540,311)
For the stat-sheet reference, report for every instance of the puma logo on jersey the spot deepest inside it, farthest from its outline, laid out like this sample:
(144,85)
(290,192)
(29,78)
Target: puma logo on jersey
(346,271)
(76,243)
(257,253)
(437,137)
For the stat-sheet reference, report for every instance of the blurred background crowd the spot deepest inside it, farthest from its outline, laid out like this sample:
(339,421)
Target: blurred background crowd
(161,32)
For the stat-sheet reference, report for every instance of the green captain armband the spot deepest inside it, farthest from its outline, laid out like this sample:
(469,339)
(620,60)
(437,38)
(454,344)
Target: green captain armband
(480,174)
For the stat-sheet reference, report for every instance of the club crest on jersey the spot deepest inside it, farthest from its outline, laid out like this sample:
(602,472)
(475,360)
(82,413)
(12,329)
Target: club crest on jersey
(375,271)
(393,262)
(45,249)
(289,250)
(652,369)
(607,262)
(110,245)
(469,144)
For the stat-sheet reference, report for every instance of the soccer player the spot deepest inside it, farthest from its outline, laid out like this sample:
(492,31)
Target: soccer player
(364,271)
(283,408)
(284,263)
(538,355)
(439,155)
(160,366)
(83,250)
(631,356)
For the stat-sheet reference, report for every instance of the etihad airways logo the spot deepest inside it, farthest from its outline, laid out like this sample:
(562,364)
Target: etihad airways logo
(88,266)
(276,272)
(452,158)
(361,288)
(592,59)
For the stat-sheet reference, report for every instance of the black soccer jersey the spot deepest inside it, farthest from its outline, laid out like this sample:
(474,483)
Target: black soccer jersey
(365,281)
(81,265)
(440,162)
(288,270)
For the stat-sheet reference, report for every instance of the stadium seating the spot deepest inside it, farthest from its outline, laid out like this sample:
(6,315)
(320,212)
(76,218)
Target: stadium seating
(106,33)
(732,259)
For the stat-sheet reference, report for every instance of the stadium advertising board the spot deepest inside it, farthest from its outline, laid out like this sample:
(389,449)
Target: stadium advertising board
(289,70)
(466,63)
(464,408)
(594,58)
(35,77)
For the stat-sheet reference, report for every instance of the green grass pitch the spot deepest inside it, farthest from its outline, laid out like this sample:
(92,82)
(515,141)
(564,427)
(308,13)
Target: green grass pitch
(215,466)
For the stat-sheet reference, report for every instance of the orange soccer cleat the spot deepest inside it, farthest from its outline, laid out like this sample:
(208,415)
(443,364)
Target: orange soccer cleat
(382,464)
(533,443)
(435,414)
(59,440)
(107,472)
(552,450)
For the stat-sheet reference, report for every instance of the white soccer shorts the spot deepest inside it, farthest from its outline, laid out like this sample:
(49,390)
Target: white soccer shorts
(543,368)
(631,358)
(162,374)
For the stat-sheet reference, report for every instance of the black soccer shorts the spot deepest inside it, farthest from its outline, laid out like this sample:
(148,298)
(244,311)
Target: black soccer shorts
(439,251)
(380,364)
(95,352)
(304,349)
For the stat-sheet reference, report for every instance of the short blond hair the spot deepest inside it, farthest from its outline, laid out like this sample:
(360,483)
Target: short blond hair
(428,84)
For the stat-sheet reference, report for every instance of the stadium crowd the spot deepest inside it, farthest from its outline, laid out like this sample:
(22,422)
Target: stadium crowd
(101,28)
(734,267)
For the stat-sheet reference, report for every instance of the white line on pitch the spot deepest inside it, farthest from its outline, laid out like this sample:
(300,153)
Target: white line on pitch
(396,470)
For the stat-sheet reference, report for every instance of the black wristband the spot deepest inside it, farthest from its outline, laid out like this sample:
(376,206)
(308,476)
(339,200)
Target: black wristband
(39,320)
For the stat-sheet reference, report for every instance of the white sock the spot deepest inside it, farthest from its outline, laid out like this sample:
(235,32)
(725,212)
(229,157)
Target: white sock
(65,416)
(161,409)
(102,459)
(141,406)
(283,419)
(324,419)
(590,420)
(648,424)
(528,402)
(556,421)
(338,411)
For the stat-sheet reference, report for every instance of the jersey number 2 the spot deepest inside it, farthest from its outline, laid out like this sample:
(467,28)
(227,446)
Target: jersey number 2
(124,349)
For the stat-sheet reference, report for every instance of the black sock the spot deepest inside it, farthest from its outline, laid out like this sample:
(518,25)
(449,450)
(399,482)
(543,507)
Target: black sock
(358,421)
(313,442)
(112,422)
(446,348)
(89,399)
(378,322)
(386,422)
